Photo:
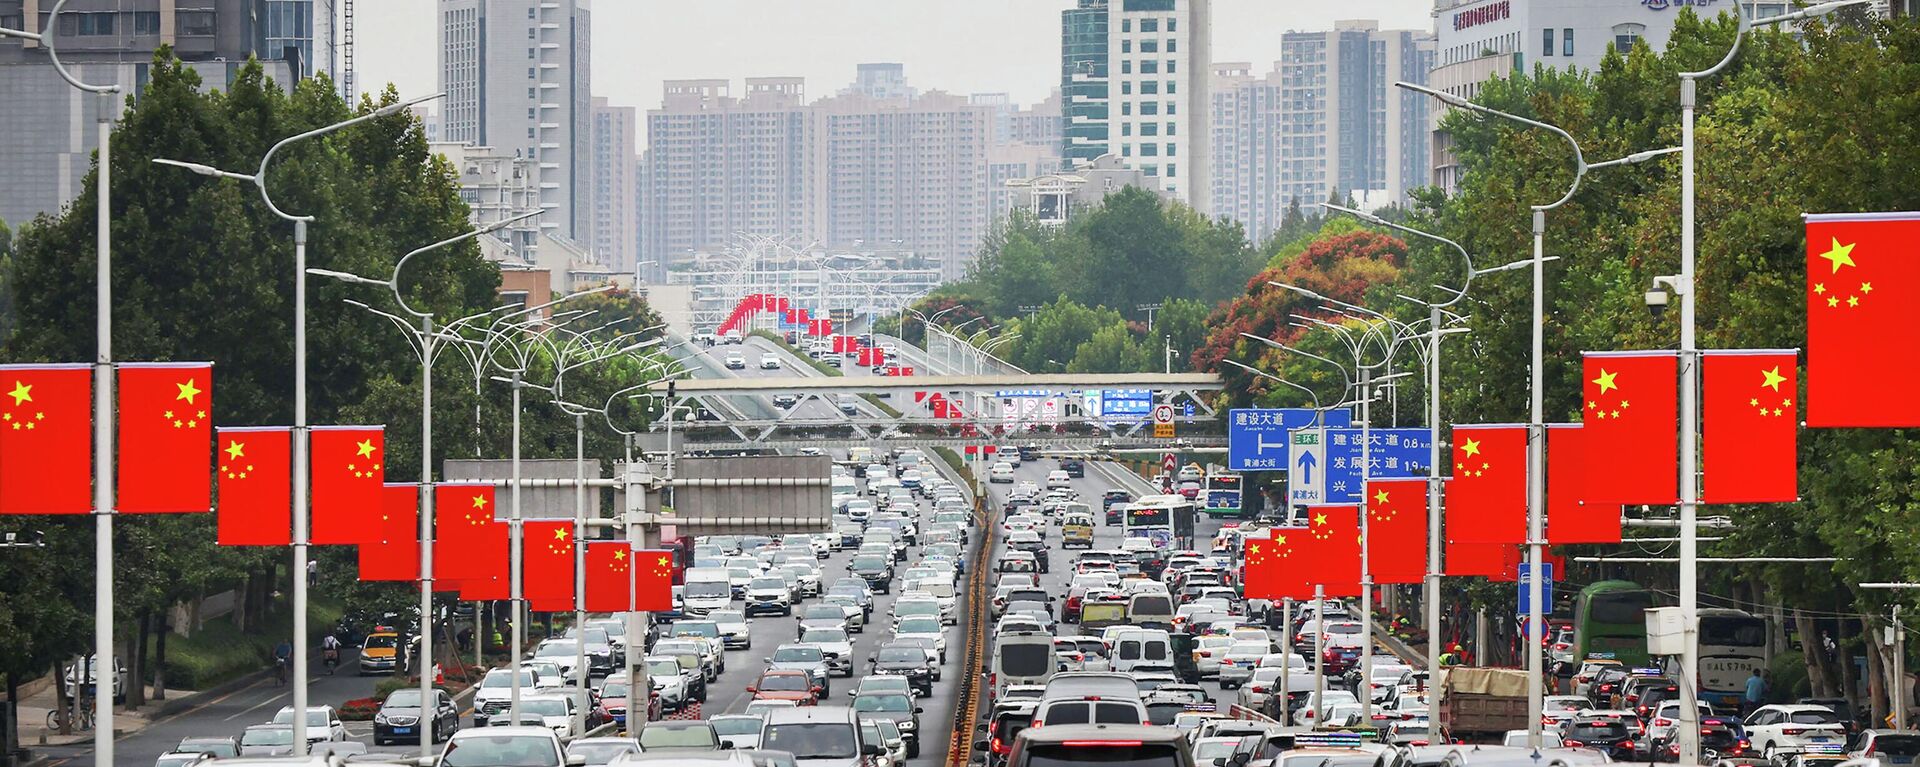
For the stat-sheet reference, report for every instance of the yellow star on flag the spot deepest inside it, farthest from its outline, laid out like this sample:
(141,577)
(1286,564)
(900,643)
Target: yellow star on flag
(1280,539)
(1253,548)
(664,562)
(559,533)
(187,391)
(479,501)
(619,554)
(1839,255)
(365,449)
(236,449)
(1605,381)
(1319,519)
(1773,379)
(1380,497)
(21,393)
(1471,447)
(1832,302)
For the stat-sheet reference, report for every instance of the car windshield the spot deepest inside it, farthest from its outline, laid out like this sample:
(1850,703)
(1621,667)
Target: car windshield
(699,589)
(505,679)
(797,655)
(920,626)
(275,737)
(408,698)
(314,718)
(768,584)
(557,650)
(655,737)
(545,706)
(663,668)
(508,750)
(812,740)
(1813,717)
(599,753)
(736,725)
(900,655)
(695,629)
(727,616)
(613,690)
(888,703)
(824,635)
(785,683)
(869,562)
(378,641)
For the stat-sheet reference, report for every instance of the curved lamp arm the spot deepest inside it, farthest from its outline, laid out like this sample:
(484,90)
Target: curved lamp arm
(45,39)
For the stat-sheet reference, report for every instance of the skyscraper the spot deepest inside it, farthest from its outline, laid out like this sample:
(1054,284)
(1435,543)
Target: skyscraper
(718,166)
(1142,92)
(614,215)
(46,155)
(517,78)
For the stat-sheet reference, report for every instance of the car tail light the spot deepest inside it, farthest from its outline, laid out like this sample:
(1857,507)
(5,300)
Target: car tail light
(1633,698)
(1258,688)
(1572,743)
(999,746)
(1673,750)
(1663,722)
(1793,731)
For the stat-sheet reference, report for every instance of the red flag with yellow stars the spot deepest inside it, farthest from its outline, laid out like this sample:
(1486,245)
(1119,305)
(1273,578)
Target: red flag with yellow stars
(468,541)
(1487,500)
(256,485)
(1263,566)
(165,438)
(1750,432)
(1863,281)
(653,580)
(46,439)
(609,576)
(1397,530)
(396,556)
(1332,553)
(1570,518)
(1632,427)
(546,554)
(347,479)
(1469,558)
(486,589)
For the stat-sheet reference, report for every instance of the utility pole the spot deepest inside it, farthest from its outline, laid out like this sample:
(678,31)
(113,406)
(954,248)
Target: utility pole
(1149,309)
(1169,355)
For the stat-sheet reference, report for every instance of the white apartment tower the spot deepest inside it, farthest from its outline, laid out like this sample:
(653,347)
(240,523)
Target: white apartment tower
(615,177)
(516,76)
(1154,104)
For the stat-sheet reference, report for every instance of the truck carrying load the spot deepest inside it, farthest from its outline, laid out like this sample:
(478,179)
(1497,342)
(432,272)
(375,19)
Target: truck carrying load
(1482,703)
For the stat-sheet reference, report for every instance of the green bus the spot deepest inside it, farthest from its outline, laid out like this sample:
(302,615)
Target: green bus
(1609,621)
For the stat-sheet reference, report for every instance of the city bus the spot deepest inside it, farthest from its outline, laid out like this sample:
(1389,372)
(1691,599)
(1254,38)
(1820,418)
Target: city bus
(1166,519)
(1733,643)
(1610,621)
(1220,493)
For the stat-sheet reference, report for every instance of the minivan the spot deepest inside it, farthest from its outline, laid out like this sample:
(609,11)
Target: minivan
(1151,610)
(818,736)
(1141,647)
(707,589)
(1021,658)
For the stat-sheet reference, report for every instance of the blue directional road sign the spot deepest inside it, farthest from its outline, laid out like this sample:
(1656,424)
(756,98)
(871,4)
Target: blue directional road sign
(1396,454)
(1546,587)
(1257,437)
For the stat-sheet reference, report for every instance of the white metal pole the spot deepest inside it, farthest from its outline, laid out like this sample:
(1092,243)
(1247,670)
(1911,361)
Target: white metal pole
(580,551)
(1536,487)
(1286,631)
(103,454)
(1364,689)
(1319,654)
(514,568)
(1432,597)
(1689,409)
(636,642)
(1897,691)
(302,477)
(428,709)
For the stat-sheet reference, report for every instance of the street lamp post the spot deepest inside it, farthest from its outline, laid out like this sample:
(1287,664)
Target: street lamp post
(302,471)
(103,385)
(1688,726)
(429,345)
(1431,598)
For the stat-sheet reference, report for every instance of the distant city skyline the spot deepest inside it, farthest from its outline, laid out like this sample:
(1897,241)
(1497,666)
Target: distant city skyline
(962,46)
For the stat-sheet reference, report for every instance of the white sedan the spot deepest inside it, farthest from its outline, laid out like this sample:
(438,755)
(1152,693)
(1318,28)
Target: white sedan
(1001,472)
(769,362)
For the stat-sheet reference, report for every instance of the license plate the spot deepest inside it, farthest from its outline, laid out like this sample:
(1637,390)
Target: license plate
(1819,740)
(402,730)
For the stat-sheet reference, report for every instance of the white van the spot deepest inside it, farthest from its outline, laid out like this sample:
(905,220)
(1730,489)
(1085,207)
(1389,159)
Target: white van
(1022,657)
(707,589)
(1140,647)
(845,486)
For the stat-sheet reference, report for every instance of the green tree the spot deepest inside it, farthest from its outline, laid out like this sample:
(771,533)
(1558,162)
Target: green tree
(1113,349)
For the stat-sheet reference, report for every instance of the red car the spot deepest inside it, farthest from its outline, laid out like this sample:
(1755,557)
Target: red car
(786,684)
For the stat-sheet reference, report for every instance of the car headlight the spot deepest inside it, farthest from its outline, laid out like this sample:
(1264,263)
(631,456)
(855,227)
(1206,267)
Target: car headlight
(380,718)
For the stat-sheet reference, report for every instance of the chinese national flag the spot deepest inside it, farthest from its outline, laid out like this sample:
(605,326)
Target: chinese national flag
(1750,433)
(1397,530)
(46,439)
(1262,570)
(1632,420)
(468,541)
(256,485)
(1487,499)
(609,576)
(1332,553)
(485,589)
(1570,518)
(396,556)
(653,580)
(166,438)
(347,479)
(1863,280)
(547,561)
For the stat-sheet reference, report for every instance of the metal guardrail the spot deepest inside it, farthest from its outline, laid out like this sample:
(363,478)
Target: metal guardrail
(960,751)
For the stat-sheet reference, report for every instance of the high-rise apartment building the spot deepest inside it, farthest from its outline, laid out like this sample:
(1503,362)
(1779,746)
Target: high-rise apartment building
(1142,92)
(1325,120)
(517,79)
(44,151)
(922,173)
(614,216)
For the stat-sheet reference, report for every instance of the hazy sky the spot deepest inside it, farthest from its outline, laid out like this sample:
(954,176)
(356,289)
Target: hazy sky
(962,46)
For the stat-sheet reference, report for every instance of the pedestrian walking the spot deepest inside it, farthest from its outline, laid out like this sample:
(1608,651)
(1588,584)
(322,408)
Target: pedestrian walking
(1756,693)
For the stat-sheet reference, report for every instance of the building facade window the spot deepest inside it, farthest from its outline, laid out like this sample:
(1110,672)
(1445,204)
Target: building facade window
(1149,46)
(1126,66)
(1566,42)
(1149,67)
(1150,108)
(194,23)
(1624,36)
(1126,108)
(1546,42)
(1149,25)
(1150,87)
(1172,169)
(144,23)
(1126,46)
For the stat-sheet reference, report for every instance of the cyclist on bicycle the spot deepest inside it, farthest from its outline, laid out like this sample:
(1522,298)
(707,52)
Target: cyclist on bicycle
(330,652)
(282,657)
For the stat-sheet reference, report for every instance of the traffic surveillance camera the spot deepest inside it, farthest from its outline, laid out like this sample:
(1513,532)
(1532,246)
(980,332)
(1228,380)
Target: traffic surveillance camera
(1656,301)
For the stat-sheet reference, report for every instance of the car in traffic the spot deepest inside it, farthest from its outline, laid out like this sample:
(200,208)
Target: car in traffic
(898,708)
(903,661)
(785,684)
(736,361)
(400,718)
(517,745)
